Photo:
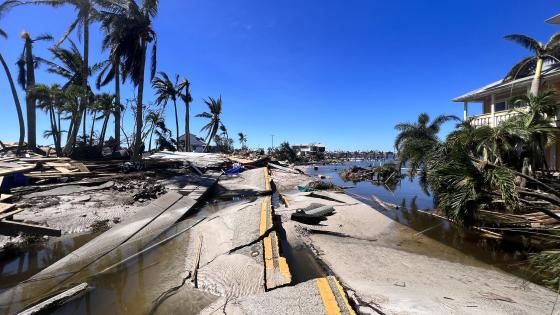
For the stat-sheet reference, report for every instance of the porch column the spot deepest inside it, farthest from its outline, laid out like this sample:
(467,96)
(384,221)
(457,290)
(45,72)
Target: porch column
(493,111)
(465,110)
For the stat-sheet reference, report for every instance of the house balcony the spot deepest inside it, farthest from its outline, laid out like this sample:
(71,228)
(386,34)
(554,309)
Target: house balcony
(494,119)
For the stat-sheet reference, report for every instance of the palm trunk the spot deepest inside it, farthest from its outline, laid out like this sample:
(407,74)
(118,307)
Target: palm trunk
(150,143)
(74,129)
(104,130)
(187,128)
(136,154)
(535,85)
(92,129)
(84,116)
(117,104)
(54,131)
(16,103)
(176,124)
(29,100)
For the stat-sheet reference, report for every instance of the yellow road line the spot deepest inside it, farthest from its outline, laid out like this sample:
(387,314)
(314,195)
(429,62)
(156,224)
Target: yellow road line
(269,264)
(266,179)
(265,215)
(329,301)
(344,297)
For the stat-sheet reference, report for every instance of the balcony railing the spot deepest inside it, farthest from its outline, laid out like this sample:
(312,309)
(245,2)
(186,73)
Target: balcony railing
(497,118)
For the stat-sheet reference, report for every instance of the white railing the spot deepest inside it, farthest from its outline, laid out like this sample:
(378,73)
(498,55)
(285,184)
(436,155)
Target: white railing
(494,120)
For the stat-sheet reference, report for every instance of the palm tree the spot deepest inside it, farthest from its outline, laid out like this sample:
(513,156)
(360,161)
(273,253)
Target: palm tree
(548,52)
(85,13)
(111,72)
(212,127)
(129,33)
(416,139)
(242,140)
(166,90)
(155,119)
(70,66)
(185,94)
(26,79)
(51,100)
(535,126)
(105,103)
(14,94)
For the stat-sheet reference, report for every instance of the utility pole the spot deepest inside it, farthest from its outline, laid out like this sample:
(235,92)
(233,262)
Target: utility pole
(272,141)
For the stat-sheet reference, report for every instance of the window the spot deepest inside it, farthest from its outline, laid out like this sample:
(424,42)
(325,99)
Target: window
(500,106)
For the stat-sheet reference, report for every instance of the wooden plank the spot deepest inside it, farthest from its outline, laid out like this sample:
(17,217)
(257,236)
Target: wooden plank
(81,167)
(14,228)
(57,300)
(9,214)
(4,197)
(6,207)
(10,171)
(62,169)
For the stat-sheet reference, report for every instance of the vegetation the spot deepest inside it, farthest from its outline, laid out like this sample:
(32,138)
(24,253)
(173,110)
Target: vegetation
(212,127)
(73,107)
(285,153)
(476,166)
(542,53)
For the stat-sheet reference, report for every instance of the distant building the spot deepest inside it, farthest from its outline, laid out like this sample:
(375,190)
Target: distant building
(313,149)
(197,143)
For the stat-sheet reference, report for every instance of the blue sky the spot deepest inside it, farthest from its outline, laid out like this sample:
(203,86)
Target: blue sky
(338,72)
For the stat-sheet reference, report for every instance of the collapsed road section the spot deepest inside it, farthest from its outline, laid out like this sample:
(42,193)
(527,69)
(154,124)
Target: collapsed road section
(179,255)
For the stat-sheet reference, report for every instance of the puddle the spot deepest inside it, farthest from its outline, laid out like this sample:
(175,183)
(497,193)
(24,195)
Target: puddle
(21,263)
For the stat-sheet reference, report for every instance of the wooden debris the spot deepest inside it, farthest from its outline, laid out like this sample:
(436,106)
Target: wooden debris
(13,228)
(6,207)
(56,300)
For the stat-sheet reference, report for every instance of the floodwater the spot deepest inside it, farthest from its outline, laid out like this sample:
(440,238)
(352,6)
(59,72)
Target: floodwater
(123,285)
(509,255)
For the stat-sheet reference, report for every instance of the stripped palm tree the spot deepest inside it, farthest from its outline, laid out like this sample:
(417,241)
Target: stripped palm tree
(532,65)
(167,90)
(27,63)
(212,127)
(17,104)
(129,33)
(185,94)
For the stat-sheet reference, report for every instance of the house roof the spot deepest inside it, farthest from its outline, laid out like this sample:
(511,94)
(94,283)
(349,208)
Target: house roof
(195,141)
(501,87)
(554,20)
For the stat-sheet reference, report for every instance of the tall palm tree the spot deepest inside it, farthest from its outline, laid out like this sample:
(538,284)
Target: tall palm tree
(26,79)
(85,15)
(542,52)
(167,90)
(212,127)
(185,94)
(17,104)
(70,66)
(130,32)
(242,140)
(416,139)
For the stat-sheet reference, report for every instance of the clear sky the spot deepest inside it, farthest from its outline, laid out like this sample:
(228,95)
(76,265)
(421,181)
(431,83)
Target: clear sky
(338,72)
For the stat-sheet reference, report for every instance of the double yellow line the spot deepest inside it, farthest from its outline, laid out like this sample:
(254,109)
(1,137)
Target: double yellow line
(328,288)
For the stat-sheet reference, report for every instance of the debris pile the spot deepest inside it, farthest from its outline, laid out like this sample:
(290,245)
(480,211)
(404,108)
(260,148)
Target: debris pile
(319,185)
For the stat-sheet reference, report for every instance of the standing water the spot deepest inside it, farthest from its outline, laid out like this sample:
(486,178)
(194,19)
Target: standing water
(507,255)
